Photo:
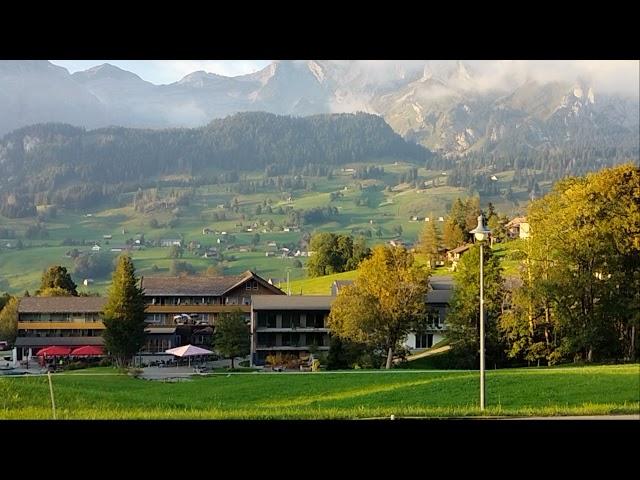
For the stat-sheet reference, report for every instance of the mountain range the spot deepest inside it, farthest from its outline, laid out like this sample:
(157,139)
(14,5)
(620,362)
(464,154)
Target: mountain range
(442,106)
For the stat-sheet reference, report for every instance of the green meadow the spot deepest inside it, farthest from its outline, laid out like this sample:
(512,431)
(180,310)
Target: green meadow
(326,395)
(365,205)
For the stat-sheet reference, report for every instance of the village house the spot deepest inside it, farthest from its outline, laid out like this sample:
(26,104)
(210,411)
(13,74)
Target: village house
(95,248)
(518,228)
(454,255)
(170,242)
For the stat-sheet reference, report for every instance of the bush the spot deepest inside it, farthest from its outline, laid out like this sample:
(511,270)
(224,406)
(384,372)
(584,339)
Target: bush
(287,361)
(76,365)
(105,362)
(135,372)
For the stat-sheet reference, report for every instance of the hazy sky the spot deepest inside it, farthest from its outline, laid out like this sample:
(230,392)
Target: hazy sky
(168,71)
(619,76)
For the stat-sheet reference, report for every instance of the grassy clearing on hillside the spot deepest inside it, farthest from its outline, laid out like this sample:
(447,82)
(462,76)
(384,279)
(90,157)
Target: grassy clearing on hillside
(319,285)
(540,391)
(21,269)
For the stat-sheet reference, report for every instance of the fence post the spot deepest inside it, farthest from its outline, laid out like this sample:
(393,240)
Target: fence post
(53,402)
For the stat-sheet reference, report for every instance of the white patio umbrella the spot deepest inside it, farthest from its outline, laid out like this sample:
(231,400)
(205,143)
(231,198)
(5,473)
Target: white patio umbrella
(188,351)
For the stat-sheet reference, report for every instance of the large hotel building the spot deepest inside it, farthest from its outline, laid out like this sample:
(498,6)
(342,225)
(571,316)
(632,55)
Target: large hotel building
(184,310)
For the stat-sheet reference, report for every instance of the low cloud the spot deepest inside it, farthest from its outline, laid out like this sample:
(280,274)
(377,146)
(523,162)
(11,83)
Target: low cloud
(605,76)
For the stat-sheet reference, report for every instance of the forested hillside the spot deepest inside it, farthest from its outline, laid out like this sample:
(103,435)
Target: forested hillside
(69,166)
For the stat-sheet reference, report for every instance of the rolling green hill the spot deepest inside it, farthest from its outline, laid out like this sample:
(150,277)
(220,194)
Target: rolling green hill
(213,206)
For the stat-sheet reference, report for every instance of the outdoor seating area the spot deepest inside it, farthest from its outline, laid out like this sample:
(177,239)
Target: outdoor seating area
(56,358)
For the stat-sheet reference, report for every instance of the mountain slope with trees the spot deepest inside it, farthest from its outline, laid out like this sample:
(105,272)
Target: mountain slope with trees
(70,166)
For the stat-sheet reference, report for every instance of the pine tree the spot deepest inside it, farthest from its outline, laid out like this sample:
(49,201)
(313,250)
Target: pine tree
(124,314)
(430,243)
(9,321)
(232,338)
(452,235)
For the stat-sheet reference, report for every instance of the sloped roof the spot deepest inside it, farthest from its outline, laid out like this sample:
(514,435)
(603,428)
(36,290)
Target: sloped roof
(516,221)
(61,304)
(441,282)
(205,286)
(462,248)
(439,296)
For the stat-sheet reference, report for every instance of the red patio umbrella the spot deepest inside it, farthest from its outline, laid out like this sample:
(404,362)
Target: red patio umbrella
(88,350)
(54,352)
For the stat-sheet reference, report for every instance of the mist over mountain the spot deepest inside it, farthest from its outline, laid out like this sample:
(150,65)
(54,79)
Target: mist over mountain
(450,107)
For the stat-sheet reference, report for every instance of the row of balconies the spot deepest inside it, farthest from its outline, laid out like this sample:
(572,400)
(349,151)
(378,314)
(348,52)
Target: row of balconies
(98,325)
(58,318)
(195,308)
(292,329)
(289,347)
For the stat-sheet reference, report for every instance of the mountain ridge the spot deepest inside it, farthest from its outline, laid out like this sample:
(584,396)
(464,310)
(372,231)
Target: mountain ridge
(442,106)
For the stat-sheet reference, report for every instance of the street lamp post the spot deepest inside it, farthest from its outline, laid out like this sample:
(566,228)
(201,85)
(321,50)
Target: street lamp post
(481,233)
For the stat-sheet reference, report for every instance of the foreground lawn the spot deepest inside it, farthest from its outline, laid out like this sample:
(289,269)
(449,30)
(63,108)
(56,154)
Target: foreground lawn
(339,395)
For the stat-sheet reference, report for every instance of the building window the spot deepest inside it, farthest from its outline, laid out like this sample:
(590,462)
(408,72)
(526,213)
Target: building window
(315,320)
(266,340)
(433,318)
(424,341)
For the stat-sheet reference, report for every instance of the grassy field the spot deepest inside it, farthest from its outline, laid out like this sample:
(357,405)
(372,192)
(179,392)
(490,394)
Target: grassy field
(330,395)
(319,285)
(322,285)
(365,205)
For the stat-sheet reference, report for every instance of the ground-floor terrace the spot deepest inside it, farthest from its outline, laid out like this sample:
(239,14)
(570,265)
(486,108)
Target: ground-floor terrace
(26,348)
(285,345)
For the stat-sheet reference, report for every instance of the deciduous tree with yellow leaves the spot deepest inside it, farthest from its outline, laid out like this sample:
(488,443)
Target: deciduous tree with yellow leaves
(385,303)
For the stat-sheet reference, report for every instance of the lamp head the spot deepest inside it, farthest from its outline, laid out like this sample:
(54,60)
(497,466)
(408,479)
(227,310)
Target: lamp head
(480,232)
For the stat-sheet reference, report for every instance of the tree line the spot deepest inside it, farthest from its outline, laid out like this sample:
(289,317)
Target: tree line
(577,297)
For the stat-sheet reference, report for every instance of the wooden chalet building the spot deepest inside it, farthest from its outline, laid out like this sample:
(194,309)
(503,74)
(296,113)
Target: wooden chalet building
(182,310)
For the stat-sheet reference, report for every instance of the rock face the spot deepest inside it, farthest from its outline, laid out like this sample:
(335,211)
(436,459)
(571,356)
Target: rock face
(440,105)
